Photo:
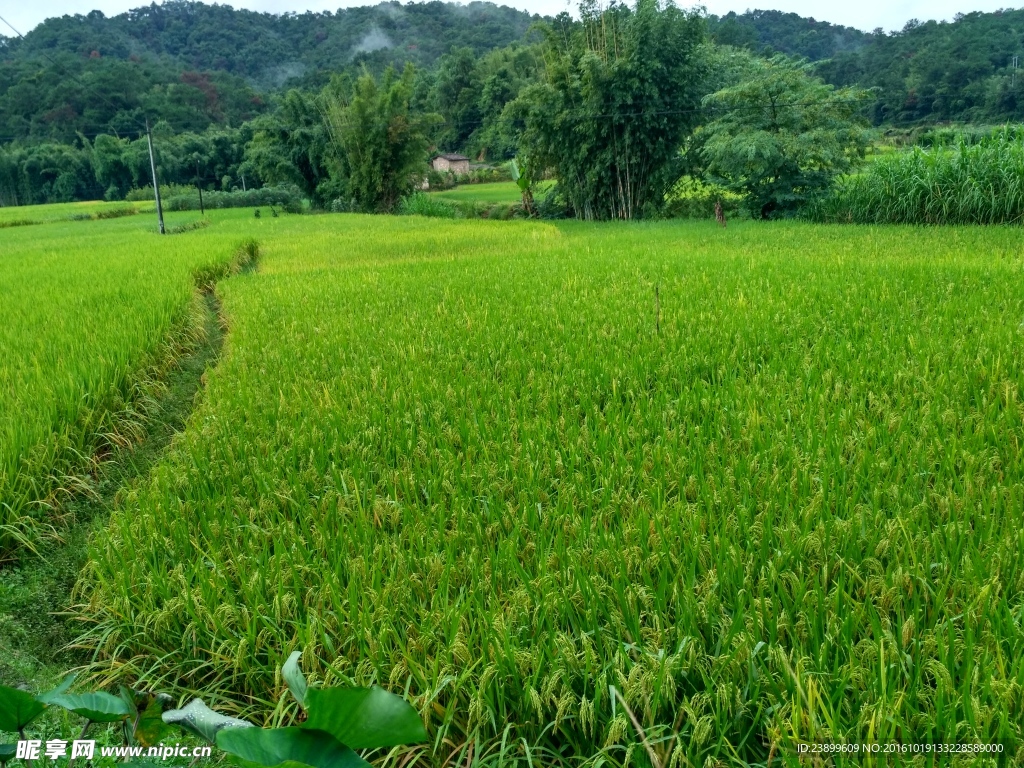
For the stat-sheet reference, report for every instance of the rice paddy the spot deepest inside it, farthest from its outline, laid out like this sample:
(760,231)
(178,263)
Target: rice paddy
(495,192)
(88,309)
(656,494)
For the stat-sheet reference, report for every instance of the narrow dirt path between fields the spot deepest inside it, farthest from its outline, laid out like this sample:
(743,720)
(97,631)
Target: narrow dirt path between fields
(34,634)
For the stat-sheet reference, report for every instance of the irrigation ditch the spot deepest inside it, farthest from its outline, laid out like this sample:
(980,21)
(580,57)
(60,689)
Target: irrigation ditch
(37,632)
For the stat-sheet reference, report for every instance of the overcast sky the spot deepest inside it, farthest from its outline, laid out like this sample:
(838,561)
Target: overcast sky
(865,14)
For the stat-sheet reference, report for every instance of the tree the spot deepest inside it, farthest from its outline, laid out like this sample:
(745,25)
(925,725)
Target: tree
(293,146)
(380,142)
(620,95)
(782,136)
(456,97)
(108,162)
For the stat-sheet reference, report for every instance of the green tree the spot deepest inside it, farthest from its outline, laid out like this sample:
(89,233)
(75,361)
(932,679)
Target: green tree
(293,146)
(620,95)
(381,144)
(456,97)
(782,136)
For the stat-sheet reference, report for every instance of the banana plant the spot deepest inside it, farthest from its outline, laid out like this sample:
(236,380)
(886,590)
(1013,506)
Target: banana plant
(522,175)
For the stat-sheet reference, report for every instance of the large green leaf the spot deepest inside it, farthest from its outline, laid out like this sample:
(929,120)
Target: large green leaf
(17,709)
(363,718)
(293,677)
(98,707)
(7,751)
(150,728)
(277,746)
(47,698)
(199,719)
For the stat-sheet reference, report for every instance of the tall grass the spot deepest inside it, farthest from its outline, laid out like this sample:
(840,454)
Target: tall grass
(763,483)
(969,183)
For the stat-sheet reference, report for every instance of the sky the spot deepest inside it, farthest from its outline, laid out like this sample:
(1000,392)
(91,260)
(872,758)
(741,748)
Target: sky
(863,14)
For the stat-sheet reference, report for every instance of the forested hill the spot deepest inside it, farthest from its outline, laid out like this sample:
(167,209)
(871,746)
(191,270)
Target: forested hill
(924,73)
(195,64)
(790,33)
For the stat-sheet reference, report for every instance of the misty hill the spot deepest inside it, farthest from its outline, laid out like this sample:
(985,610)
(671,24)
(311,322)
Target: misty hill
(790,33)
(197,65)
(271,48)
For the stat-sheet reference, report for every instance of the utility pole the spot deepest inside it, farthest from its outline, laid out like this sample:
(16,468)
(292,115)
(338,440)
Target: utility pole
(156,186)
(199,186)
(1013,76)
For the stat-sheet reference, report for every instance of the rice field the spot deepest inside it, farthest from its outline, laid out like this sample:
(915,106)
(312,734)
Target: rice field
(12,216)
(89,313)
(659,494)
(496,192)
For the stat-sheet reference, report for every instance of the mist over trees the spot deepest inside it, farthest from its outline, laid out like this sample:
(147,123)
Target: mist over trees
(615,106)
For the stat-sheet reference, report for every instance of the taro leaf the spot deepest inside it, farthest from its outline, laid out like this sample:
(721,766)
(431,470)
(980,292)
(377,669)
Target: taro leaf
(48,697)
(151,729)
(199,719)
(7,751)
(293,677)
(96,707)
(275,746)
(134,700)
(17,709)
(363,718)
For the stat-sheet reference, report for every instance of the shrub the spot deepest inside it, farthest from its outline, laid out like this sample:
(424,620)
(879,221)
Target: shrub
(145,194)
(694,199)
(440,179)
(487,175)
(287,197)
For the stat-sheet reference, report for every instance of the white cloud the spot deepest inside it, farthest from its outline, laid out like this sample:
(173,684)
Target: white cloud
(866,14)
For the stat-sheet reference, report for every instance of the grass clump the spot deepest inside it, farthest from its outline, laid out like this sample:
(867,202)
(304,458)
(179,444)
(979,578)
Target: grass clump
(761,486)
(979,182)
(421,204)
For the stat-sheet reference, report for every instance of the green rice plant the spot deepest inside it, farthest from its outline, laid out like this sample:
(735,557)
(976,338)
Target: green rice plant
(91,316)
(87,211)
(969,183)
(420,204)
(116,212)
(660,494)
(498,192)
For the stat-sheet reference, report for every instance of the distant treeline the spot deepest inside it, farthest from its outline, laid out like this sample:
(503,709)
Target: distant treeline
(237,98)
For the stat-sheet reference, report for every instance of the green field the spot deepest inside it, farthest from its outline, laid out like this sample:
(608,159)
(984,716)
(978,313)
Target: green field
(88,311)
(40,214)
(764,482)
(497,192)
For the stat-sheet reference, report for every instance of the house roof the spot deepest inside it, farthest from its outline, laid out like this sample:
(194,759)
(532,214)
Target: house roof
(454,158)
